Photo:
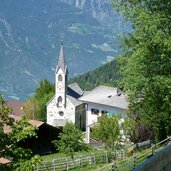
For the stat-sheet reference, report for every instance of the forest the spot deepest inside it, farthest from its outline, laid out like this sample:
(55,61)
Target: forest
(107,75)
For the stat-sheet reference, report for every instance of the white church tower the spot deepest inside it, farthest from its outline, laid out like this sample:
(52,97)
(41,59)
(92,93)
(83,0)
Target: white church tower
(65,106)
(61,75)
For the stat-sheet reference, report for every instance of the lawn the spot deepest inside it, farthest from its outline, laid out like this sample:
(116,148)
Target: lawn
(83,161)
(50,157)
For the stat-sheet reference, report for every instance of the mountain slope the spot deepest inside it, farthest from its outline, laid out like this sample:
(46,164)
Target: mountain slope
(30,35)
(107,74)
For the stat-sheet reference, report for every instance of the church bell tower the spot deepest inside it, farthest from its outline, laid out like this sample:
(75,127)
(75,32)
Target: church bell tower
(61,75)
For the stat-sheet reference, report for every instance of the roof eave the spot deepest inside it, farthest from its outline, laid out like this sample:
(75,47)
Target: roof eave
(84,101)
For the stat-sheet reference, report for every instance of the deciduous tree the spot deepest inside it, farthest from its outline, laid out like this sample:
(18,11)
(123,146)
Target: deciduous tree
(70,140)
(146,63)
(11,132)
(107,130)
(36,105)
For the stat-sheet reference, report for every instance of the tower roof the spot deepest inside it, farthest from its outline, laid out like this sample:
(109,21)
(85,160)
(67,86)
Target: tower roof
(61,60)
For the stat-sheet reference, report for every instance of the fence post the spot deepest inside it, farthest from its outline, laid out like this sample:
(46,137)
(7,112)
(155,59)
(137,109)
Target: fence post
(94,158)
(80,160)
(134,160)
(152,149)
(113,166)
(66,164)
(53,163)
(106,157)
(122,153)
(37,168)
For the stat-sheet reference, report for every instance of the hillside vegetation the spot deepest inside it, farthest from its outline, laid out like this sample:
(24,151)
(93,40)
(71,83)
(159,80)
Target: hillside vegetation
(107,74)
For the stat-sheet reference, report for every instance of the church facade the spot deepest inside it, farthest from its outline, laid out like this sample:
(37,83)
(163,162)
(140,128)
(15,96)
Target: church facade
(65,106)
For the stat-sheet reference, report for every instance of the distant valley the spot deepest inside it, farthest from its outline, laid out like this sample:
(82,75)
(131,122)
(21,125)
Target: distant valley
(30,35)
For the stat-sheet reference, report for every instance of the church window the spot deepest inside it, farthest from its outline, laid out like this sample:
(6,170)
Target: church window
(95,111)
(59,101)
(60,77)
(61,113)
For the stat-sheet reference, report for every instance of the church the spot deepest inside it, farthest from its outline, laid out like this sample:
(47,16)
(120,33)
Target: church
(64,106)
(71,103)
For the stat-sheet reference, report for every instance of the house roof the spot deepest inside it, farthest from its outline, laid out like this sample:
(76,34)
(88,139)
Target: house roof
(76,88)
(74,92)
(17,107)
(74,101)
(4,161)
(106,96)
(16,118)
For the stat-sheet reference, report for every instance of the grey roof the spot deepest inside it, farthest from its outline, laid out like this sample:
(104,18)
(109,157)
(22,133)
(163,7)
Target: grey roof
(74,101)
(75,87)
(86,92)
(106,96)
(74,92)
(61,61)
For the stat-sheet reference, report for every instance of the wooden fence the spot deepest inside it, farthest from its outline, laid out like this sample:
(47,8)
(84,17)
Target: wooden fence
(136,159)
(64,164)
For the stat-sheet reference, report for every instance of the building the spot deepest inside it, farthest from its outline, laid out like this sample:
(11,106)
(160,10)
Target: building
(42,143)
(103,100)
(17,107)
(4,161)
(65,106)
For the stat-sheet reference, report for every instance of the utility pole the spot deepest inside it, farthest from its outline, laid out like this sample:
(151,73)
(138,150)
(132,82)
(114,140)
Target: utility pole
(33,111)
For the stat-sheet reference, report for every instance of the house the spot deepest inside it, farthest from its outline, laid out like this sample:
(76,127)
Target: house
(65,106)
(4,161)
(17,107)
(45,135)
(103,100)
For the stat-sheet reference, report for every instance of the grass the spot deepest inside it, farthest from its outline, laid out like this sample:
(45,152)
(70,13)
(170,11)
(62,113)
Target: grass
(50,157)
(91,167)
(121,165)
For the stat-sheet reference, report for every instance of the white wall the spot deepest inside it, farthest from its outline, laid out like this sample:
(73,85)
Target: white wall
(92,118)
(53,112)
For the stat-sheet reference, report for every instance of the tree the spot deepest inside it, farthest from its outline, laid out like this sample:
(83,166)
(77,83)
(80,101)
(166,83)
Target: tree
(36,105)
(45,87)
(107,130)
(32,109)
(70,140)
(129,129)
(145,64)
(17,131)
(135,131)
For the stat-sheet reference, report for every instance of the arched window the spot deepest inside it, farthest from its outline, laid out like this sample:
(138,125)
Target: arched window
(59,101)
(60,77)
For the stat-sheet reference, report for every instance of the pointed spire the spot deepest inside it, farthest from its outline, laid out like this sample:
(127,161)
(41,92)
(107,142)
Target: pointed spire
(61,60)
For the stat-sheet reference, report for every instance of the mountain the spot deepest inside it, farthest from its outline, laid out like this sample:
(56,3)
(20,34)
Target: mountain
(30,35)
(102,11)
